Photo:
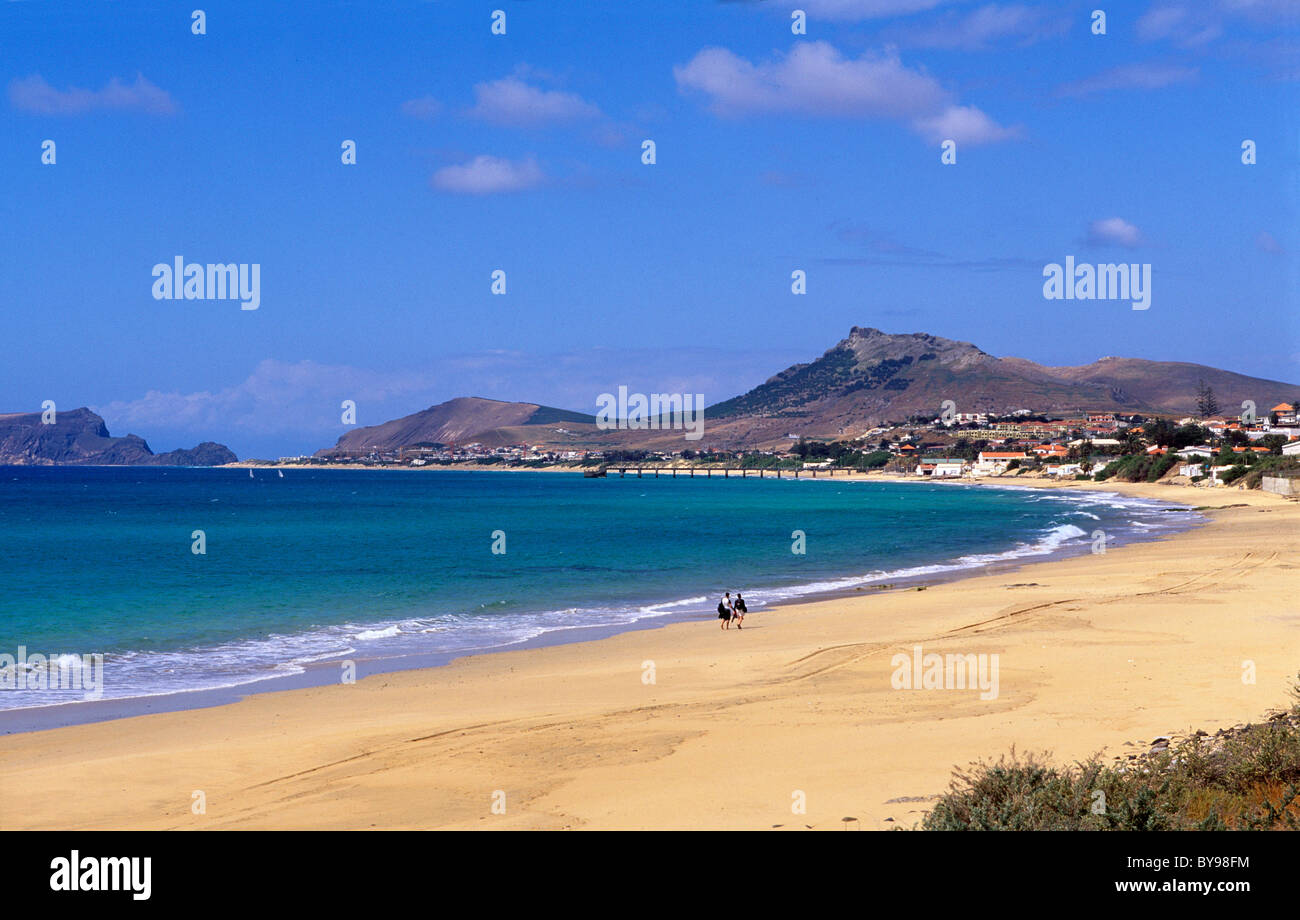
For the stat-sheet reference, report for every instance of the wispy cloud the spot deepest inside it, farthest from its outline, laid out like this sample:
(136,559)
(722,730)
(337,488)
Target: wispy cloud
(815,80)
(991,264)
(881,250)
(1113,231)
(295,406)
(985,27)
(34,94)
(511,102)
(851,10)
(1214,27)
(487,175)
(426,108)
(874,241)
(1266,242)
(1130,76)
(1197,24)
(1180,24)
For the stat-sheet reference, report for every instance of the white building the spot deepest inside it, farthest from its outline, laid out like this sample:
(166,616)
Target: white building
(941,468)
(1097,442)
(991,462)
(1064,469)
(1216,470)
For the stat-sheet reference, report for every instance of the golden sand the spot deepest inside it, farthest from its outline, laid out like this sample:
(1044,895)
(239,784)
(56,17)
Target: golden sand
(737,728)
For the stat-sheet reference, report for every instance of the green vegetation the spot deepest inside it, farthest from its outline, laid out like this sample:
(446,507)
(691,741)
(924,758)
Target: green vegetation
(546,415)
(1206,403)
(1163,432)
(1232,475)
(872,460)
(1268,465)
(1247,779)
(1138,468)
(967,449)
(836,372)
(829,372)
(1274,443)
(850,455)
(768,462)
(626,456)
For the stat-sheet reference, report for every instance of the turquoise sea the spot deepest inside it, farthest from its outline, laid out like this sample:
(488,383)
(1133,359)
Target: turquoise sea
(374,565)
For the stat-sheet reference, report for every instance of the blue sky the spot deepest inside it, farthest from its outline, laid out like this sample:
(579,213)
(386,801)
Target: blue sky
(522,152)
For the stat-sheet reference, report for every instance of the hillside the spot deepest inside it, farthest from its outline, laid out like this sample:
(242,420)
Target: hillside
(872,377)
(458,421)
(80,437)
(866,379)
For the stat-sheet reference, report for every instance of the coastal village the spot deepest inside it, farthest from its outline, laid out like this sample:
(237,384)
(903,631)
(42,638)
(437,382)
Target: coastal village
(1207,451)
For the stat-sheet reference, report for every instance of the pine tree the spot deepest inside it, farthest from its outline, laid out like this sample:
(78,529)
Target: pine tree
(1206,403)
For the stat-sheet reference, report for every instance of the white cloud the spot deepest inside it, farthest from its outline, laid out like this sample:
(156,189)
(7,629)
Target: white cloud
(814,79)
(486,175)
(983,27)
(866,9)
(425,108)
(34,94)
(1113,231)
(1194,25)
(283,408)
(513,103)
(964,124)
(1130,76)
(276,397)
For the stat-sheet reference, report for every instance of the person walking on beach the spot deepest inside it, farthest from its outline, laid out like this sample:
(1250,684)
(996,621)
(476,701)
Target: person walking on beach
(738,611)
(725,611)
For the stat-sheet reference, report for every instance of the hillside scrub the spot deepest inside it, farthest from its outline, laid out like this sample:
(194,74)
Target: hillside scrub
(1138,468)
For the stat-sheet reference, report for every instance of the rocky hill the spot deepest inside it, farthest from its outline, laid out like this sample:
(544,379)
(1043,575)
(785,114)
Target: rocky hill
(459,421)
(869,378)
(79,437)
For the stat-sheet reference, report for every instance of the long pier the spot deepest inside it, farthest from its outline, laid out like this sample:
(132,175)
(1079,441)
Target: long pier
(726,471)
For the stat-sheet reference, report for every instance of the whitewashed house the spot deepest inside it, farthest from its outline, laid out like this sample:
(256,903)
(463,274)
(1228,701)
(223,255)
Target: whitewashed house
(941,468)
(992,462)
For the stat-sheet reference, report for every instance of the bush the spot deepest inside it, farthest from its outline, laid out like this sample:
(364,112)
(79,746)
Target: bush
(1138,468)
(1247,779)
(1269,466)
(1232,475)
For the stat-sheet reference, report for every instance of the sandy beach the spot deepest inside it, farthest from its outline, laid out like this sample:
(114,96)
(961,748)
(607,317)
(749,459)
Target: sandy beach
(690,727)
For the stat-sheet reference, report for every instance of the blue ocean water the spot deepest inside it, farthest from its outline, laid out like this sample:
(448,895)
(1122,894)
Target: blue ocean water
(320,564)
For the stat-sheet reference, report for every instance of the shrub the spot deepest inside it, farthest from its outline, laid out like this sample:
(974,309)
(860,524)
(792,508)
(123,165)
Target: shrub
(1247,779)
(1232,475)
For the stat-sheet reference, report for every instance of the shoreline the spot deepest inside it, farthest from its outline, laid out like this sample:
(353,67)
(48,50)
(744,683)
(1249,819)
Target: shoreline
(1097,651)
(324,671)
